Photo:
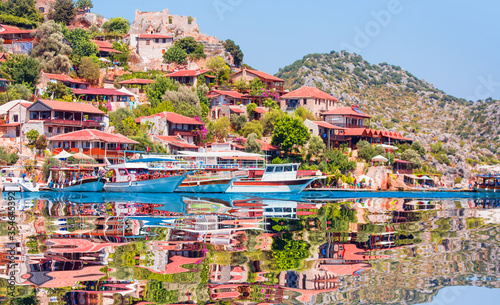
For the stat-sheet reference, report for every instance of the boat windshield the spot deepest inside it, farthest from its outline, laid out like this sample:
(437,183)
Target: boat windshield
(269,169)
(139,171)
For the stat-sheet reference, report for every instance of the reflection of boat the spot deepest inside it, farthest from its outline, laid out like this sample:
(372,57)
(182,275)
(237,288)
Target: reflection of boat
(17,184)
(488,183)
(277,178)
(137,177)
(209,183)
(75,180)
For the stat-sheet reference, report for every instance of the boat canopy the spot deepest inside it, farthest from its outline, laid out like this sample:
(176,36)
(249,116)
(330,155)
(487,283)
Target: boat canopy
(148,160)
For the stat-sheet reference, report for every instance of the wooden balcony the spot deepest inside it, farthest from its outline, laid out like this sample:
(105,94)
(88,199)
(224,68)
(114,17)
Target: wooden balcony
(350,125)
(65,122)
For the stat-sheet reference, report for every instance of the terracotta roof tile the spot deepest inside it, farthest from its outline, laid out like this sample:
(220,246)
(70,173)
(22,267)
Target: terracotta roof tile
(93,135)
(309,92)
(181,73)
(68,106)
(173,118)
(228,93)
(64,78)
(327,125)
(347,111)
(261,75)
(136,81)
(99,91)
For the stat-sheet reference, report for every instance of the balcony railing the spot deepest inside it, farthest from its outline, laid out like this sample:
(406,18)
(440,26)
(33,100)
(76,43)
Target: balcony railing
(338,138)
(344,125)
(72,122)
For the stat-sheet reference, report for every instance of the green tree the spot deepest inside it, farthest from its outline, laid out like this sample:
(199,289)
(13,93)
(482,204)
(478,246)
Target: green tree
(235,51)
(289,132)
(335,159)
(64,11)
(252,146)
(117,25)
(57,91)
(256,87)
(83,4)
(32,135)
(304,113)
(123,57)
(250,109)
(270,118)
(418,147)
(80,43)
(175,54)
(156,90)
(220,128)
(238,121)
(184,97)
(365,150)
(22,69)
(89,70)
(23,9)
(16,92)
(289,253)
(216,64)
(253,127)
(316,146)
(51,51)
(117,117)
(412,156)
(145,142)
(187,43)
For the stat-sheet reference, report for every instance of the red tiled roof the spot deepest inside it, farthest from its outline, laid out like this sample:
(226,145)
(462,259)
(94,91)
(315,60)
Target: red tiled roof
(355,132)
(93,135)
(327,125)
(175,141)
(193,73)
(136,81)
(145,36)
(173,118)
(8,29)
(105,46)
(64,78)
(260,110)
(309,92)
(10,124)
(236,110)
(347,111)
(261,74)
(99,91)
(267,147)
(228,93)
(68,106)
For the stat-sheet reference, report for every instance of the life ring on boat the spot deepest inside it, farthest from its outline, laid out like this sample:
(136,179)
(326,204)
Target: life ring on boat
(193,165)
(156,212)
(129,178)
(156,175)
(169,164)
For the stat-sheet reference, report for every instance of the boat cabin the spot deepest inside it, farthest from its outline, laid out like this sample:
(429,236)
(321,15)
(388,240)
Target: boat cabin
(277,172)
(128,172)
(489,181)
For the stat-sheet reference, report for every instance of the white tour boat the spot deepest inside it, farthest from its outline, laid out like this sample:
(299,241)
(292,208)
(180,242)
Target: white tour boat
(277,178)
(137,177)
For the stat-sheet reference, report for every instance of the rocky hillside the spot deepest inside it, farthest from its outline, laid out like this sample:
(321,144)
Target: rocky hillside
(398,100)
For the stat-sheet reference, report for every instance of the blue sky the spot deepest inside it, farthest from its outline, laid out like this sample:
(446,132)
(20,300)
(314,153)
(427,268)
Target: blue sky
(452,44)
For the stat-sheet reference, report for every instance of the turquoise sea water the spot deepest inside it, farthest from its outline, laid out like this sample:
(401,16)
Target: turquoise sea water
(313,247)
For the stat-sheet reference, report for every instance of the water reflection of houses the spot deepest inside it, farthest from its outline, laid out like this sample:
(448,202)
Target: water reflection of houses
(244,293)
(104,292)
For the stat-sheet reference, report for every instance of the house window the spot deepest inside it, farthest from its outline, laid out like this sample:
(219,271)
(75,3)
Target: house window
(164,40)
(157,40)
(148,42)
(305,101)
(42,9)
(33,115)
(86,144)
(50,129)
(185,126)
(15,118)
